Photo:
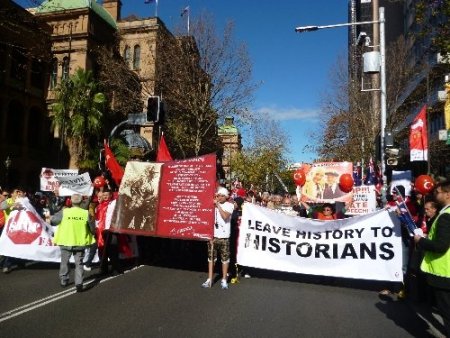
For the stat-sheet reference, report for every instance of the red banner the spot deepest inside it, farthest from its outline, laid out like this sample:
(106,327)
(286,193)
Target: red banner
(174,199)
(418,137)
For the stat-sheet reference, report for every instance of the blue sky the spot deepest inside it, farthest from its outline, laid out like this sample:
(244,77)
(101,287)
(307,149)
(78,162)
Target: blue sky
(293,68)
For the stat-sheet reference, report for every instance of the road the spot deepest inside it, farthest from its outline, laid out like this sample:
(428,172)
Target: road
(165,300)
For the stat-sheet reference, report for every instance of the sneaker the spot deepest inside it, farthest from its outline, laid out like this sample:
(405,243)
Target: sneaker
(224,284)
(64,283)
(87,268)
(79,287)
(206,284)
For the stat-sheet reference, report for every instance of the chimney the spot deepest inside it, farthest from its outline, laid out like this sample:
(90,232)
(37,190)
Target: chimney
(113,7)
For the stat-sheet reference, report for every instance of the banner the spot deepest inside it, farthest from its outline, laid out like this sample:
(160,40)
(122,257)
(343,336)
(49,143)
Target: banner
(50,177)
(322,182)
(80,184)
(364,200)
(418,137)
(363,247)
(401,178)
(27,236)
(172,199)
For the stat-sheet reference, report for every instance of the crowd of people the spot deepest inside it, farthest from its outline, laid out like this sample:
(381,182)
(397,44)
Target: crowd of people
(82,225)
(426,250)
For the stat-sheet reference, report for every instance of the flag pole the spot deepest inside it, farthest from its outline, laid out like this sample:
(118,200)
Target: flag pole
(156,9)
(188,15)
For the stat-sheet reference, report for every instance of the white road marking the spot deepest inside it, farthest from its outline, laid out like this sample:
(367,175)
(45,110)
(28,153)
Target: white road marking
(50,299)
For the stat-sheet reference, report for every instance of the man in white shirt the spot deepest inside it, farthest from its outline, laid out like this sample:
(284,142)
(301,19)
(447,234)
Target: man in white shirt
(221,241)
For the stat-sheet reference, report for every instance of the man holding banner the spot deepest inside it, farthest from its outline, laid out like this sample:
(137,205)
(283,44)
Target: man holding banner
(436,262)
(221,241)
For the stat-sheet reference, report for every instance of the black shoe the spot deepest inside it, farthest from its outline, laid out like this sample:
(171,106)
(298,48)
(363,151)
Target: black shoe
(79,288)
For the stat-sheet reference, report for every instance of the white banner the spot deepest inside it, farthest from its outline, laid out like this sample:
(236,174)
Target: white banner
(50,177)
(364,200)
(80,184)
(401,178)
(27,236)
(363,247)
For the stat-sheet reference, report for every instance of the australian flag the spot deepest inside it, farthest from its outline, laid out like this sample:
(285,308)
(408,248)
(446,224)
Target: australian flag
(357,174)
(404,214)
(372,174)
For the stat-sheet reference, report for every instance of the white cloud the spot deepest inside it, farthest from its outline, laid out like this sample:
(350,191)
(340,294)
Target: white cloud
(286,114)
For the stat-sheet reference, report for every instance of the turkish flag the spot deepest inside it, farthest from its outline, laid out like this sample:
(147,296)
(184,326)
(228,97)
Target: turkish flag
(163,154)
(112,165)
(418,137)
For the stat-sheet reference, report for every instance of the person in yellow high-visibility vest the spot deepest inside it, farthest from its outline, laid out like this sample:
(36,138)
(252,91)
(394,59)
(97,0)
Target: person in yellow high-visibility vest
(73,235)
(436,262)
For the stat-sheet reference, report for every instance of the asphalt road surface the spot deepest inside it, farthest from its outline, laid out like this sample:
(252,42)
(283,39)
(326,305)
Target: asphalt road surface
(166,300)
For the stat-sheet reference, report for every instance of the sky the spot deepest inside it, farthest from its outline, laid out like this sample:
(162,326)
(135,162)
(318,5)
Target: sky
(293,69)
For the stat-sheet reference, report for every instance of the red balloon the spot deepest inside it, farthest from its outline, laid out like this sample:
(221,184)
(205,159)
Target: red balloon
(424,184)
(99,182)
(299,177)
(346,182)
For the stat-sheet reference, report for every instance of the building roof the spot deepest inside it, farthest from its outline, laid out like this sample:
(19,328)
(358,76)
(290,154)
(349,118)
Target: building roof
(228,129)
(61,5)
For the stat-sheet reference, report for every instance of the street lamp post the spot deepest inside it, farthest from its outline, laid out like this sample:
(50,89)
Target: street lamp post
(382,89)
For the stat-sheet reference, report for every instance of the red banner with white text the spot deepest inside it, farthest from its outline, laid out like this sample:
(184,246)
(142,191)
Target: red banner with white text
(172,199)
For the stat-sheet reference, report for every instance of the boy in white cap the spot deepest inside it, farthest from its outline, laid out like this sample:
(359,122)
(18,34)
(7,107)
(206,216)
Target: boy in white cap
(221,241)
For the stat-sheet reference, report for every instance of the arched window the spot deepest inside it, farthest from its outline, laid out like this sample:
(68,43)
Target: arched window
(137,57)
(65,68)
(54,73)
(127,56)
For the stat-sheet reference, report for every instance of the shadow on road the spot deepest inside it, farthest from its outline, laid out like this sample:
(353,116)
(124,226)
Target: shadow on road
(406,315)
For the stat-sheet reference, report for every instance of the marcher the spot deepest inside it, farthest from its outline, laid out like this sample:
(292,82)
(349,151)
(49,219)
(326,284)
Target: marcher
(73,235)
(436,262)
(221,241)
(8,205)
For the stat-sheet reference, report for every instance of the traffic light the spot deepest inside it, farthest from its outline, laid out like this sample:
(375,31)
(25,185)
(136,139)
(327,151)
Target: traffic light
(153,108)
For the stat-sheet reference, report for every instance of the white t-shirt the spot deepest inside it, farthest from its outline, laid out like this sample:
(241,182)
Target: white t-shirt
(222,230)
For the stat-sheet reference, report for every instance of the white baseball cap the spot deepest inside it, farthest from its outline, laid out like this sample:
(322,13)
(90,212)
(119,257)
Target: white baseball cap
(223,191)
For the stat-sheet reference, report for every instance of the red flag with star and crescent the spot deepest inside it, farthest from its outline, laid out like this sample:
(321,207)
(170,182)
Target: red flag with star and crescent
(112,165)
(418,137)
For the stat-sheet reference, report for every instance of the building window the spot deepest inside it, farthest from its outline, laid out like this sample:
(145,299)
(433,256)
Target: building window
(18,65)
(65,68)
(54,73)
(137,57)
(37,74)
(127,56)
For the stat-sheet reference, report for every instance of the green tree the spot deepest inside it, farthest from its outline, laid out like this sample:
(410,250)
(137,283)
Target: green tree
(263,157)
(77,114)
(432,18)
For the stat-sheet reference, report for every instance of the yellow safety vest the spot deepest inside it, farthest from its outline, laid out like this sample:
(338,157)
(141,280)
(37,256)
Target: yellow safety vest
(436,263)
(74,229)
